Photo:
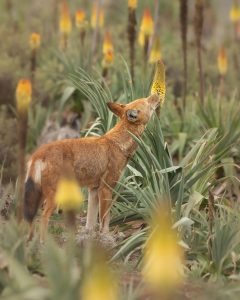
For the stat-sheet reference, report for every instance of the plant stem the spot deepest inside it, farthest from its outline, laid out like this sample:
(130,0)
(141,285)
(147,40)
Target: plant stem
(198,24)
(132,38)
(22,138)
(183,22)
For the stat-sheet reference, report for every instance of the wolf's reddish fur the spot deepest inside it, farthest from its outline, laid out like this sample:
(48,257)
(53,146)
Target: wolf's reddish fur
(97,163)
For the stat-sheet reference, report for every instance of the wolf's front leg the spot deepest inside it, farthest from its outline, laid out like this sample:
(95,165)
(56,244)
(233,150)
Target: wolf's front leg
(105,202)
(92,212)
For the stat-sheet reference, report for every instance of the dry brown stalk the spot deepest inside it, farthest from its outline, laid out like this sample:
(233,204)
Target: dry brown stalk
(183,22)
(198,25)
(131,29)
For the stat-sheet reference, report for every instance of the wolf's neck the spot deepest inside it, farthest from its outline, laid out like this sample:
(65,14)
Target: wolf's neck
(122,138)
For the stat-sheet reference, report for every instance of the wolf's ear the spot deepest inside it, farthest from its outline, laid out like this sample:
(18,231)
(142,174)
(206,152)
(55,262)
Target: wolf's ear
(116,108)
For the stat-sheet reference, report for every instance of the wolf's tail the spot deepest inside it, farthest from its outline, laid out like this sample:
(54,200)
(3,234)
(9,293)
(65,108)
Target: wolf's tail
(32,198)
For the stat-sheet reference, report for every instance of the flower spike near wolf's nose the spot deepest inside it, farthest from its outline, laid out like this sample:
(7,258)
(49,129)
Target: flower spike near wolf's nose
(159,85)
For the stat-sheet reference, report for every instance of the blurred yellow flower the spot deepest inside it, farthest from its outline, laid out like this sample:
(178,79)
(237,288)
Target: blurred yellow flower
(155,53)
(222,62)
(35,41)
(163,257)
(68,195)
(107,43)
(159,84)
(141,38)
(94,17)
(132,4)
(108,51)
(23,95)
(235,13)
(65,24)
(100,284)
(147,25)
(80,19)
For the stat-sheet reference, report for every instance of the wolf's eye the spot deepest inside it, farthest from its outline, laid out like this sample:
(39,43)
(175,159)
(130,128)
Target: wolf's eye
(132,114)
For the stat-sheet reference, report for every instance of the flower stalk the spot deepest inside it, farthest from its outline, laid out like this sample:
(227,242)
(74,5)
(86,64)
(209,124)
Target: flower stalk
(198,26)
(23,100)
(184,27)
(145,33)
(108,54)
(65,25)
(34,42)
(222,68)
(131,29)
(81,24)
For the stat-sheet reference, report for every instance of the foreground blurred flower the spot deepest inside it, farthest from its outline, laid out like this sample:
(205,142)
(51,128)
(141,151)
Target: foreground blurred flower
(94,17)
(159,85)
(65,24)
(68,195)
(132,4)
(235,12)
(155,53)
(163,257)
(23,95)
(222,62)
(35,41)
(100,284)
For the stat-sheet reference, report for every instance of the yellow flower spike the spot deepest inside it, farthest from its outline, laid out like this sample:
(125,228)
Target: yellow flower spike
(155,53)
(65,24)
(132,4)
(222,62)
(108,51)
(163,256)
(100,283)
(107,43)
(68,195)
(35,41)
(235,13)
(159,84)
(147,25)
(23,95)
(141,38)
(80,19)
(94,17)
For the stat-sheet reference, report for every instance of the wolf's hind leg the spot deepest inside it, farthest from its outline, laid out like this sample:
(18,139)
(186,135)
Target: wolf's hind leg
(92,212)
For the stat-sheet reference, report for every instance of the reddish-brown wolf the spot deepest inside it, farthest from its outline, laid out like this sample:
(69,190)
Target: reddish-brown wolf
(97,163)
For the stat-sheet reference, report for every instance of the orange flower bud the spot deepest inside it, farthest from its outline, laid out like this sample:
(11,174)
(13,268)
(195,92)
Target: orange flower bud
(80,17)
(155,54)
(94,17)
(132,4)
(147,26)
(35,41)
(23,95)
(222,62)
(65,24)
